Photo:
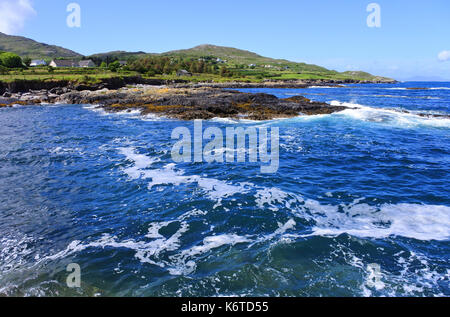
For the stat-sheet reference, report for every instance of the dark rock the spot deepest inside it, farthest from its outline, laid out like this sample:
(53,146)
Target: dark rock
(204,103)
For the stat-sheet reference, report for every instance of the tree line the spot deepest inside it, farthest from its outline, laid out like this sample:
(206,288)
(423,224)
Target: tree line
(148,65)
(159,65)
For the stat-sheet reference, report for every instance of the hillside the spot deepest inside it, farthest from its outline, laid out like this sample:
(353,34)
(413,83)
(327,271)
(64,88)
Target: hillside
(238,57)
(29,48)
(278,69)
(120,55)
(225,53)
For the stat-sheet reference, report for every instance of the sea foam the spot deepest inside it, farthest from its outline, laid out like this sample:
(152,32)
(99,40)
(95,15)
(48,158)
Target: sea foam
(389,116)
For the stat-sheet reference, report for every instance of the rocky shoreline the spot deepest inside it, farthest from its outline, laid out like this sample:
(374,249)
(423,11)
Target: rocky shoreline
(25,86)
(178,103)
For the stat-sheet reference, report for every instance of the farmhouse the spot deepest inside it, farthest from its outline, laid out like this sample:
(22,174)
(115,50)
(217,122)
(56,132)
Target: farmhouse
(86,63)
(183,72)
(66,63)
(63,63)
(37,62)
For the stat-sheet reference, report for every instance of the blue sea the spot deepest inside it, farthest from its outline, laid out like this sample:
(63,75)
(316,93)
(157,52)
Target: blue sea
(360,205)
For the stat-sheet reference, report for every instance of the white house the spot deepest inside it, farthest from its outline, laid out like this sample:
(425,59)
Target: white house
(183,72)
(86,63)
(37,62)
(65,63)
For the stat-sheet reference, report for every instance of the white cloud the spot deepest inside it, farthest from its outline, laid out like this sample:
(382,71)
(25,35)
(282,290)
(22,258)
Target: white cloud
(444,56)
(13,14)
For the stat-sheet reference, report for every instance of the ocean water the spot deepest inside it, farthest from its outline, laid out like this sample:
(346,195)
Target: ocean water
(360,205)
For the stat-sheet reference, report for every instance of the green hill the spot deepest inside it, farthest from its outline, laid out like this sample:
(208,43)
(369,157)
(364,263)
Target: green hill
(120,55)
(269,67)
(29,48)
(225,53)
(239,57)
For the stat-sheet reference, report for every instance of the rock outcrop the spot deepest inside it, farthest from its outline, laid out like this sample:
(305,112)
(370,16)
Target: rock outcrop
(199,103)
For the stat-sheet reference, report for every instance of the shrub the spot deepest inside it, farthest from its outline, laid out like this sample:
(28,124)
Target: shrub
(27,61)
(11,60)
(114,66)
(3,70)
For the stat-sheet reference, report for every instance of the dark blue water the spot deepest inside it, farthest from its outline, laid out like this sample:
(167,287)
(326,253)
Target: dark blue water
(362,188)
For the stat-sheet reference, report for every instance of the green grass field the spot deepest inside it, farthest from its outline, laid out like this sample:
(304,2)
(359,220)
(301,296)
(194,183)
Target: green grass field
(91,75)
(95,75)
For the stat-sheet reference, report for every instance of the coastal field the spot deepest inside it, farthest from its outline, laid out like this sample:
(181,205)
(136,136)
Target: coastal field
(95,75)
(76,75)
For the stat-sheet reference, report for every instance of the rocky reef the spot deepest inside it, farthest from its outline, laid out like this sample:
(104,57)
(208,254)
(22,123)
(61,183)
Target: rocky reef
(179,103)
(198,103)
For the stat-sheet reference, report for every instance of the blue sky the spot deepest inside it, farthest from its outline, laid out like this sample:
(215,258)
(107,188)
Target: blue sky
(329,33)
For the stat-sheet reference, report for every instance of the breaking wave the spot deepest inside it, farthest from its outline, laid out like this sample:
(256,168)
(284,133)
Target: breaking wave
(394,117)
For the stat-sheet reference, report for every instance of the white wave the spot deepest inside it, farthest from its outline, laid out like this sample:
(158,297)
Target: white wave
(416,276)
(130,112)
(145,251)
(149,252)
(357,219)
(184,262)
(214,242)
(13,253)
(407,97)
(224,120)
(96,108)
(242,121)
(268,197)
(418,88)
(389,116)
(168,175)
(151,117)
(99,109)
(321,87)
(422,222)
